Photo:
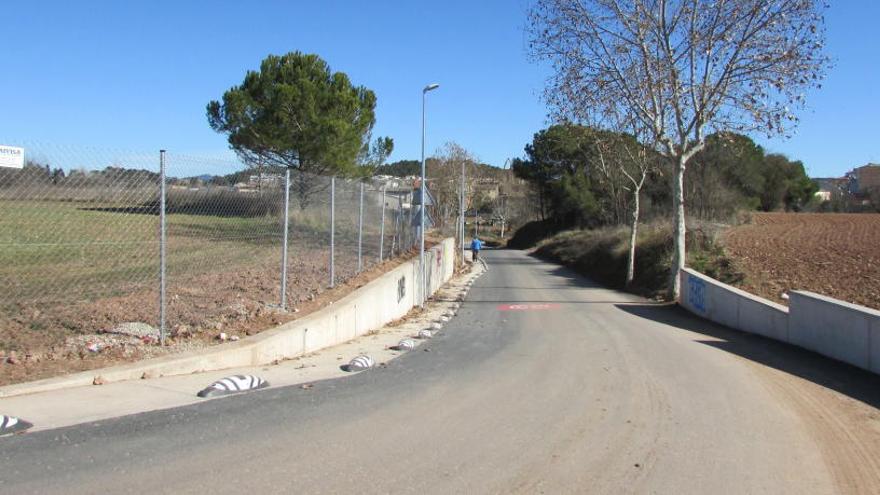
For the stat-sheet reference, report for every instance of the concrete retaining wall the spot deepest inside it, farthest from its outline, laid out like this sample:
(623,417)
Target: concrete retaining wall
(732,307)
(837,329)
(840,330)
(370,307)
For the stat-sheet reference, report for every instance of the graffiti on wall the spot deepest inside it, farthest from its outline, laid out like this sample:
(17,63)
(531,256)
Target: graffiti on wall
(697,293)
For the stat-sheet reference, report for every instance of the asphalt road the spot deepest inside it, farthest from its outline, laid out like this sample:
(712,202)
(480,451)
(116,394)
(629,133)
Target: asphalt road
(572,389)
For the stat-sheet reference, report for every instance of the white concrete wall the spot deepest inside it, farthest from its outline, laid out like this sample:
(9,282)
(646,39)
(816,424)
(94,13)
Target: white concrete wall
(732,307)
(837,329)
(370,307)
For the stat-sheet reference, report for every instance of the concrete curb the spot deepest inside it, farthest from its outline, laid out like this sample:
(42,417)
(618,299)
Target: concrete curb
(370,307)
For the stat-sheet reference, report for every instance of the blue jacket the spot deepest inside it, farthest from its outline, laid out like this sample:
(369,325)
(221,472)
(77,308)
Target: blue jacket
(476,245)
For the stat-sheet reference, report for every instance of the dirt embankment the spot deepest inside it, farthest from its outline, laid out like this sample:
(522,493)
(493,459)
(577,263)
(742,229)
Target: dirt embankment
(834,254)
(68,338)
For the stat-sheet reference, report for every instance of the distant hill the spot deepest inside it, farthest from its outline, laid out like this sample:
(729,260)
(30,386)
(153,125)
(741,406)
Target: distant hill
(400,168)
(406,168)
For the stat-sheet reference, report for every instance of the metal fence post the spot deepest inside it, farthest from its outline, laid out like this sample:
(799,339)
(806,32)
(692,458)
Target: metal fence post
(382,228)
(162,241)
(361,230)
(284,247)
(405,225)
(400,227)
(410,229)
(332,231)
(397,241)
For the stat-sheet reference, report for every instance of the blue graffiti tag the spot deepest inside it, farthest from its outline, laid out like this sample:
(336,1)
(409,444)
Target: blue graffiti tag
(697,293)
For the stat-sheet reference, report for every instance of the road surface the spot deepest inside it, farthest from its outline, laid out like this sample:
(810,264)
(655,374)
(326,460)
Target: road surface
(543,383)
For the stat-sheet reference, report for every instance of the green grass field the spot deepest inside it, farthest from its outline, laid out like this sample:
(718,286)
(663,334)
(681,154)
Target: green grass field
(82,261)
(53,250)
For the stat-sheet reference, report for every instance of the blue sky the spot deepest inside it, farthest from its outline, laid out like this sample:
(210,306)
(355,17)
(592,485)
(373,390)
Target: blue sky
(137,75)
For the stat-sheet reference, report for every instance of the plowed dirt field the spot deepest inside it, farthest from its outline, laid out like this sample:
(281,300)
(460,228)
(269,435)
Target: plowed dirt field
(834,254)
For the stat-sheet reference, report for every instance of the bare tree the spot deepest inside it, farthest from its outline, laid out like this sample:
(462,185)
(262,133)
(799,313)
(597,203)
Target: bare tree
(610,179)
(445,170)
(633,163)
(683,68)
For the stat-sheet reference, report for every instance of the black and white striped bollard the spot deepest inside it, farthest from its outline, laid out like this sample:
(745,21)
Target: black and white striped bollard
(12,424)
(360,363)
(233,384)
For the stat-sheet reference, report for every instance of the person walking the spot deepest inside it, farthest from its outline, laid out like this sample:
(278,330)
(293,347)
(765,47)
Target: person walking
(476,245)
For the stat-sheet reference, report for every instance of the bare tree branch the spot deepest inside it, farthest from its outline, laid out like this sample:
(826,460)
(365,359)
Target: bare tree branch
(680,68)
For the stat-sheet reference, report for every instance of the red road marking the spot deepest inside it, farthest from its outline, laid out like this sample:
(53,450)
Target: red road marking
(526,307)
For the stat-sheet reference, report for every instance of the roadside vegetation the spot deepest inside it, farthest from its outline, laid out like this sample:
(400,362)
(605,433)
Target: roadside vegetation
(652,105)
(602,254)
(667,75)
(598,181)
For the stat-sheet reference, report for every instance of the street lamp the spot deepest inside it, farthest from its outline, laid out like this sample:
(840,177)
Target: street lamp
(461,211)
(422,266)
(502,197)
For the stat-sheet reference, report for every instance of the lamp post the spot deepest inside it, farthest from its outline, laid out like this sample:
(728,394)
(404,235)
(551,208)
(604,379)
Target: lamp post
(422,267)
(501,196)
(461,211)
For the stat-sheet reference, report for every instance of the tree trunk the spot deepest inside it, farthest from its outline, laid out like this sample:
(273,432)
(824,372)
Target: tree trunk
(303,191)
(541,200)
(678,228)
(634,232)
(615,201)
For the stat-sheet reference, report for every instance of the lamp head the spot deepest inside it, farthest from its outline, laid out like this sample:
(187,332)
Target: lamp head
(430,87)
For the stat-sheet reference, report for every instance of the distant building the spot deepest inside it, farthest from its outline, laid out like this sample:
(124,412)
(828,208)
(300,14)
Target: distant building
(864,179)
(830,185)
(856,191)
(264,180)
(390,182)
(244,187)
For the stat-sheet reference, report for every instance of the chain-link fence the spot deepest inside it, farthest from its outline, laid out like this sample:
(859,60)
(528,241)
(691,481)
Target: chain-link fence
(92,239)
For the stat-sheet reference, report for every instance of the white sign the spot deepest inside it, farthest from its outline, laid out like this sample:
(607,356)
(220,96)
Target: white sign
(10,156)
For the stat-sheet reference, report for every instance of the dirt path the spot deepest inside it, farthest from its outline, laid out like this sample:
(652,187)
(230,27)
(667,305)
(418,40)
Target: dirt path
(846,431)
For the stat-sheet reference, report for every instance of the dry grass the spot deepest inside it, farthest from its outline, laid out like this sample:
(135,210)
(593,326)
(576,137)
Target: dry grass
(601,254)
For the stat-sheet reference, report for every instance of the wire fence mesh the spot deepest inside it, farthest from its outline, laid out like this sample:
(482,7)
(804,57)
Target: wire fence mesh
(80,240)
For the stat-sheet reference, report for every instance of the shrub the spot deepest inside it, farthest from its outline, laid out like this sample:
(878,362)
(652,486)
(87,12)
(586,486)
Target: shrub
(601,254)
(531,233)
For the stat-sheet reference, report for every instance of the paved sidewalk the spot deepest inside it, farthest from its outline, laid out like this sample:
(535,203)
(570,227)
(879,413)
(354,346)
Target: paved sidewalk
(58,408)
